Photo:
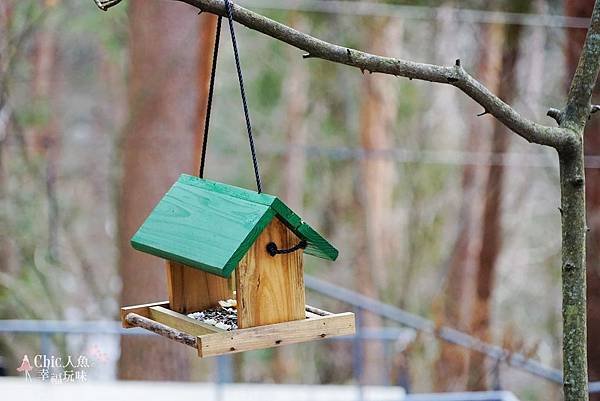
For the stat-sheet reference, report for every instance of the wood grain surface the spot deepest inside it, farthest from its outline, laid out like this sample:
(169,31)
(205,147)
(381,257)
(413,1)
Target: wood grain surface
(193,290)
(276,335)
(270,289)
(181,322)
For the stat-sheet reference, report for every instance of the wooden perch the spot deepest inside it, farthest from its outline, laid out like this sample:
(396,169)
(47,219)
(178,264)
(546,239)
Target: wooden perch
(317,311)
(139,321)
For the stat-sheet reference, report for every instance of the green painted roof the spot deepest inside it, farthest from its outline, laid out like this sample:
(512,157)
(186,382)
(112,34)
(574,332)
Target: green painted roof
(210,226)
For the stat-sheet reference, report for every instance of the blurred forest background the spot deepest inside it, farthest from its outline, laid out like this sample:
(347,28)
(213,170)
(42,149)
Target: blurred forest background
(433,209)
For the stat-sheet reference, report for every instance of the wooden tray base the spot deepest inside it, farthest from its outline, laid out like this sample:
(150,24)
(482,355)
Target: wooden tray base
(212,341)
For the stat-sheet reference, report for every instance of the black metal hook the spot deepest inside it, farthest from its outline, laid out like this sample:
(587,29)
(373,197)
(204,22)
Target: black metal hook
(273,250)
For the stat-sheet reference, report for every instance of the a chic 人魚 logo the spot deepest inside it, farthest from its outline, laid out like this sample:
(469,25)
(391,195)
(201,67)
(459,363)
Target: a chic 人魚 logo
(60,369)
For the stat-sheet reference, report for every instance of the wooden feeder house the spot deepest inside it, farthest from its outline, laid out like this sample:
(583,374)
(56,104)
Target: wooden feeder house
(232,248)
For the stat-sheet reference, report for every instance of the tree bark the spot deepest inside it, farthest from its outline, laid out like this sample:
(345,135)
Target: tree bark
(573,272)
(572,182)
(157,146)
(575,39)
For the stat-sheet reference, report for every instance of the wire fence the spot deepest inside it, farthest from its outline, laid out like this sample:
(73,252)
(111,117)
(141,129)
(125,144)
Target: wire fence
(407,156)
(389,335)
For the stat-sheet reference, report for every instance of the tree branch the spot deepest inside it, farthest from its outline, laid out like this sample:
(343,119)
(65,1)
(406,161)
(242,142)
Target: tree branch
(556,114)
(572,184)
(578,107)
(452,75)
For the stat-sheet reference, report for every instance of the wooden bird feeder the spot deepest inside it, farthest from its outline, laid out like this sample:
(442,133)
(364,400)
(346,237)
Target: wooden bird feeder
(206,231)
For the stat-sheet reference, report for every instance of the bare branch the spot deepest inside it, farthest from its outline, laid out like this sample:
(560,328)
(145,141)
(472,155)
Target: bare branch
(580,93)
(556,114)
(452,75)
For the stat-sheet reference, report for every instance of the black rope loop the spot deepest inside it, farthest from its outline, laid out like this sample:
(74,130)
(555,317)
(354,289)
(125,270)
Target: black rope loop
(229,12)
(273,250)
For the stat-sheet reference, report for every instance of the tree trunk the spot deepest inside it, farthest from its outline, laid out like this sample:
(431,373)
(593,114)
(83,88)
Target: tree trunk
(5,19)
(451,366)
(575,39)
(572,184)
(157,146)
(491,242)
(574,118)
(377,120)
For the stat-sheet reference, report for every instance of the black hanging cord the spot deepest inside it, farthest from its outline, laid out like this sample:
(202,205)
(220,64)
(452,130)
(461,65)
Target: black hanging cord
(273,250)
(211,90)
(229,11)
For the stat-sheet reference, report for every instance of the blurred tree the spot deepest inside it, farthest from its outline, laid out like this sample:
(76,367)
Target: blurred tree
(378,108)
(456,301)
(491,235)
(296,103)
(43,138)
(29,264)
(574,42)
(6,17)
(158,145)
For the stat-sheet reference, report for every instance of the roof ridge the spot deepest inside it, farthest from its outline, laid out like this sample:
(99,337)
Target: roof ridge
(228,189)
(317,245)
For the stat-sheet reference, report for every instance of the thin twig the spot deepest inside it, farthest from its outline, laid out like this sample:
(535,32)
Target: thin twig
(317,311)
(139,321)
